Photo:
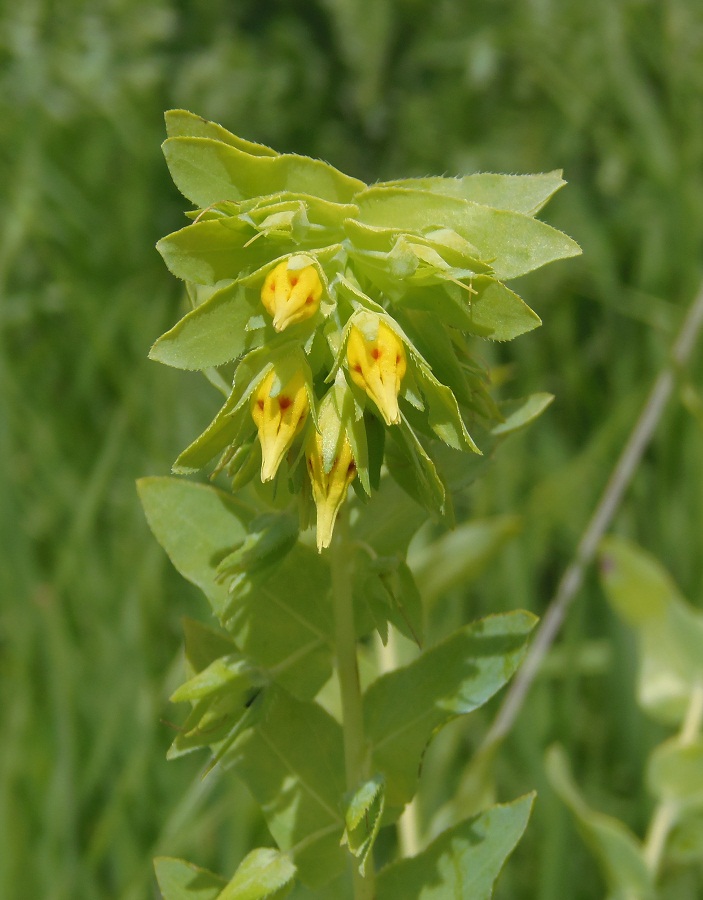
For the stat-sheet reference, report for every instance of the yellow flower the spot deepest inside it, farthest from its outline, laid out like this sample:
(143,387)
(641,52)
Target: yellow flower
(378,368)
(279,419)
(291,295)
(329,489)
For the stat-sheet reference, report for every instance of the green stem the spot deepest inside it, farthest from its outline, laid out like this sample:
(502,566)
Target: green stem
(356,763)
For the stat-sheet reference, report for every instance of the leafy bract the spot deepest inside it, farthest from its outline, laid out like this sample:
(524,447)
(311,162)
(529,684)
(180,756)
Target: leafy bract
(213,333)
(669,631)
(208,171)
(513,243)
(617,850)
(181,880)
(181,123)
(519,193)
(292,762)
(464,861)
(403,708)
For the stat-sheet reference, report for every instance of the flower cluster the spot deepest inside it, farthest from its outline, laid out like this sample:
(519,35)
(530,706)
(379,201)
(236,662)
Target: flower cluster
(339,314)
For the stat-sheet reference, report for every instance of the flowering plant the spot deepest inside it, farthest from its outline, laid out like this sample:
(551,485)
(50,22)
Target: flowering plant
(337,319)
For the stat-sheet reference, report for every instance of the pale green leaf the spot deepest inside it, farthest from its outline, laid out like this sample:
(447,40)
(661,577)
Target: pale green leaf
(211,334)
(617,851)
(519,193)
(181,123)
(292,761)
(214,250)
(512,243)
(263,873)
(403,708)
(207,171)
(463,862)
(180,880)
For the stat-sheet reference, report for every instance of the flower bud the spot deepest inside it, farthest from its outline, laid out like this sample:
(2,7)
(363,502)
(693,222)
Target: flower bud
(329,489)
(279,419)
(378,368)
(291,295)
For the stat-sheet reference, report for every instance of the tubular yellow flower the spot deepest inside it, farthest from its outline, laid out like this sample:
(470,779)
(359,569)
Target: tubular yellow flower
(291,295)
(329,489)
(279,419)
(378,368)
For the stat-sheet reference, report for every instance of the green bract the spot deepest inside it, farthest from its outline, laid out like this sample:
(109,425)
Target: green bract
(426,256)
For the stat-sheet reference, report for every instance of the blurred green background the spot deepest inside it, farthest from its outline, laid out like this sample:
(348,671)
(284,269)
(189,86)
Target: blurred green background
(611,91)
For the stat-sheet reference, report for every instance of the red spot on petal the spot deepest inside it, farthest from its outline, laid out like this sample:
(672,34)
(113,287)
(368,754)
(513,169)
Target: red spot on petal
(357,368)
(293,282)
(375,353)
(351,467)
(284,402)
(397,359)
(309,300)
(260,404)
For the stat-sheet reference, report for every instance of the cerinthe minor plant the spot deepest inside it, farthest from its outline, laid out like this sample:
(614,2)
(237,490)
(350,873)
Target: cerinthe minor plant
(336,318)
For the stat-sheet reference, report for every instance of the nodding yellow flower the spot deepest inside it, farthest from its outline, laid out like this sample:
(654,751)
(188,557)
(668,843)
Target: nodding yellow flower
(329,489)
(291,295)
(279,419)
(378,368)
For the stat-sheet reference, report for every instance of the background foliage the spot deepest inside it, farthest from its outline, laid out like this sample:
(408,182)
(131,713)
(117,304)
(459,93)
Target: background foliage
(90,615)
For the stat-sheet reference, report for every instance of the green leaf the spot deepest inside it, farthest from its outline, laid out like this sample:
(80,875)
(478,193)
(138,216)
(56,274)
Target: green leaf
(271,536)
(263,873)
(675,772)
(669,631)
(283,625)
(207,171)
(362,819)
(443,412)
(292,762)
(519,193)
(410,466)
(615,848)
(195,524)
(464,861)
(180,880)
(211,334)
(404,708)
(513,243)
(180,123)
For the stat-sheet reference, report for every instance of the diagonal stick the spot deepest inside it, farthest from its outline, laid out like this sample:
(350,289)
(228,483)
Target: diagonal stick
(608,504)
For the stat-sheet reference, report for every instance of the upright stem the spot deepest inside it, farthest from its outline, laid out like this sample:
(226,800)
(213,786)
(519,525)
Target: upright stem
(355,751)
